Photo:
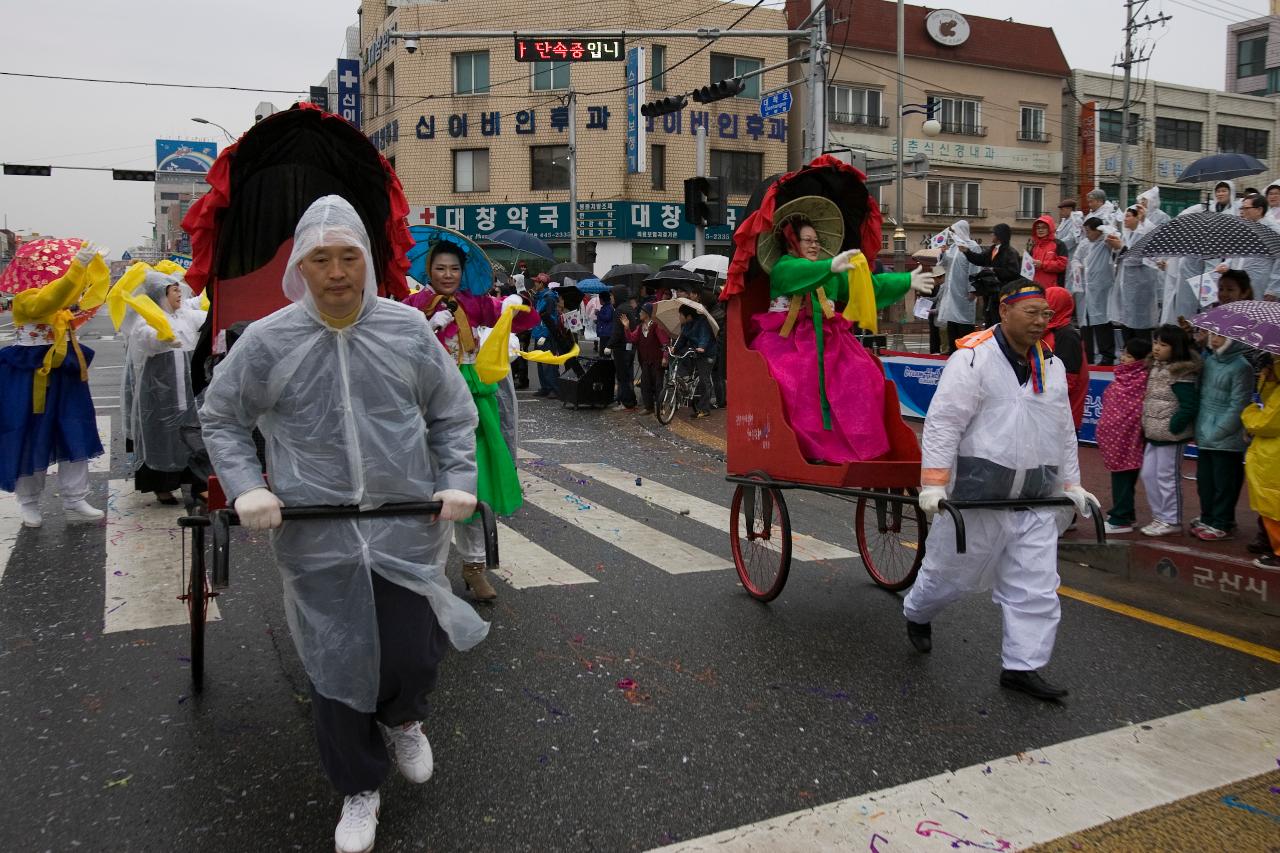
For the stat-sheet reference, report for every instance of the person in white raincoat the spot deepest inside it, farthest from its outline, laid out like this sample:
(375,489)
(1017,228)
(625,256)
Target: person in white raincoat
(1092,277)
(360,406)
(1150,203)
(1070,228)
(1264,273)
(1179,298)
(1272,195)
(1224,198)
(957,308)
(1000,427)
(1098,206)
(161,401)
(1133,299)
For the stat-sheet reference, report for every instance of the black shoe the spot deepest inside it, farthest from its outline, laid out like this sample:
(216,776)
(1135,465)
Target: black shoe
(921,636)
(1028,681)
(542,392)
(1259,545)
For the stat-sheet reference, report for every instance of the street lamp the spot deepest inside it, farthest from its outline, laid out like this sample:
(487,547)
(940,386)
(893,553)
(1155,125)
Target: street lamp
(230,138)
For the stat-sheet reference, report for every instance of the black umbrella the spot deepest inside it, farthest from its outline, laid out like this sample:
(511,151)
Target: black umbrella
(679,277)
(629,274)
(577,272)
(1208,235)
(521,242)
(1221,167)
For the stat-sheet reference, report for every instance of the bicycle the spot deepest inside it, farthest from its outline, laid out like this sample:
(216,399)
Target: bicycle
(678,389)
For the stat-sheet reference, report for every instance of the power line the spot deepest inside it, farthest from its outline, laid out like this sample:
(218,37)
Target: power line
(150,83)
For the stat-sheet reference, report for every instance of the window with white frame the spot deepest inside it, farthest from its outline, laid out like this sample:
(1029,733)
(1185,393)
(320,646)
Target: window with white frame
(1031,128)
(1030,202)
(371,100)
(961,115)
(550,75)
(953,198)
(471,170)
(389,87)
(725,66)
(855,105)
(658,67)
(471,73)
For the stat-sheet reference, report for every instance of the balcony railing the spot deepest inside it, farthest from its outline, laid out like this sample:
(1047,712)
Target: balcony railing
(1033,136)
(1029,214)
(964,128)
(858,119)
(966,212)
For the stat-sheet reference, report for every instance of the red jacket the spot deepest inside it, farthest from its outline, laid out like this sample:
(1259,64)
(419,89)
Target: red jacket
(648,347)
(1045,250)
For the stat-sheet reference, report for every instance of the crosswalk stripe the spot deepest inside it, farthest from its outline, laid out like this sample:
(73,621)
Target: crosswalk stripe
(521,453)
(144,563)
(711,514)
(10,526)
(102,464)
(526,564)
(653,546)
(1039,795)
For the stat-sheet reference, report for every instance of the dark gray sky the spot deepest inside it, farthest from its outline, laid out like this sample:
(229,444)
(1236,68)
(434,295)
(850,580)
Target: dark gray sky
(290,45)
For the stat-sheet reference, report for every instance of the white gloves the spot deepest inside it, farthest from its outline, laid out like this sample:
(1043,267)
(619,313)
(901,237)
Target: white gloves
(841,262)
(922,282)
(457,504)
(259,509)
(1082,499)
(513,299)
(930,496)
(441,320)
(606,351)
(88,250)
(542,342)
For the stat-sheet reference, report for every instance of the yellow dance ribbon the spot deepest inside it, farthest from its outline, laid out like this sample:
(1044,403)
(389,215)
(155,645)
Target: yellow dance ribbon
(493,361)
(122,298)
(168,267)
(541,356)
(861,305)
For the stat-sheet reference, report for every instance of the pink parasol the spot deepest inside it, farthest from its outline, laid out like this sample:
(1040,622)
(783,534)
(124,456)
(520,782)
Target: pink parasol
(40,261)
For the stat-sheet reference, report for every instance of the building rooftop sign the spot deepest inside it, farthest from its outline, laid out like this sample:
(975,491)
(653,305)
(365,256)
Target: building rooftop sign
(947,28)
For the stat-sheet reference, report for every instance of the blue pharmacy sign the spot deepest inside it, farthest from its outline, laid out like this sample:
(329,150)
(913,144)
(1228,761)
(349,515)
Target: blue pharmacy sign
(635,97)
(349,90)
(776,104)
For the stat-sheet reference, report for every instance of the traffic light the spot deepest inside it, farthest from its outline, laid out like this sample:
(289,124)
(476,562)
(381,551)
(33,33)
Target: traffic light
(662,106)
(719,91)
(132,175)
(34,171)
(705,202)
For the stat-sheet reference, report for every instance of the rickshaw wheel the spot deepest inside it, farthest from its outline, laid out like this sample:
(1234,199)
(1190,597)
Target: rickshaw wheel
(198,595)
(760,535)
(667,403)
(891,539)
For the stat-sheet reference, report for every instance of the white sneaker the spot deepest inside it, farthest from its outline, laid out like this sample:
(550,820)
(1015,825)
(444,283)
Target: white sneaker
(31,516)
(359,823)
(82,510)
(1117,528)
(413,752)
(1161,528)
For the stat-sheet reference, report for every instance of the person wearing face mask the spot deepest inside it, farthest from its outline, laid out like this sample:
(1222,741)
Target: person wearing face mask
(457,315)
(359,405)
(1000,427)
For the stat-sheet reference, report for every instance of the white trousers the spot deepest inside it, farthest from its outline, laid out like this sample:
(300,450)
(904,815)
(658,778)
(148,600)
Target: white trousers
(1162,480)
(1015,555)
(469,538)
(73,484)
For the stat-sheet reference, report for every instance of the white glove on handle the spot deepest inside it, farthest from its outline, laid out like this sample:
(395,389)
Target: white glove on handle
(930,496)
(1082,499)
(513,299)
(841,262)
(259,509)
(922,282)
(457,504)
(441,320)
(88,250)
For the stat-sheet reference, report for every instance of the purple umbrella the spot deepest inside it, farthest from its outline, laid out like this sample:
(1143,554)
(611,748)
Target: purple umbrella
(1252,322)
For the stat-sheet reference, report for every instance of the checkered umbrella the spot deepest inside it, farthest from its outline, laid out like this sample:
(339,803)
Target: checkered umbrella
(1209,235)
(1252,322)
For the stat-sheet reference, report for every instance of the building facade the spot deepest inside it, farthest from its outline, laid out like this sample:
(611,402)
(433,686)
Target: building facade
(998,88)
(480,141)
(1169,128)
(1253,55)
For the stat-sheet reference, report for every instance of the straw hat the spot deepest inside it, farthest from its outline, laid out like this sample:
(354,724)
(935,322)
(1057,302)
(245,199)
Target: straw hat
(823,213)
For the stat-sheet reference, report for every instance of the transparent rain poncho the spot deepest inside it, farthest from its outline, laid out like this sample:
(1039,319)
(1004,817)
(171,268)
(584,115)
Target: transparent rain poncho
(370,414)
(1092,278)
(955,305)
(998,439)
(157,385)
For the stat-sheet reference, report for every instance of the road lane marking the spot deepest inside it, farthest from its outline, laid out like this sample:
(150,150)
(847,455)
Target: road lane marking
(521,453)
(101,464)
(1032,797)
(144,563)
(10,527)
(711,514)
(645,543)
(525,564)
(1206,634)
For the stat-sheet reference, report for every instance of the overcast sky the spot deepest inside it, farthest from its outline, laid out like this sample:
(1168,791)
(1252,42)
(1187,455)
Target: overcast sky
(290,45)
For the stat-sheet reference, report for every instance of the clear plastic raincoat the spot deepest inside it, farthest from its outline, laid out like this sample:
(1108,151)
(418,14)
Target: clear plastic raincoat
(369,414)
(160,400)
(955,305)
(1091,279)
(1133,299)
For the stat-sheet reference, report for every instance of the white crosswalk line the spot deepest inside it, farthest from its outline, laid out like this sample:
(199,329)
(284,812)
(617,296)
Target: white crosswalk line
(1039,795)
(711,514)
(526,564)
(521,453)
(10,526)
(144,563)
(102,463)
(653,546)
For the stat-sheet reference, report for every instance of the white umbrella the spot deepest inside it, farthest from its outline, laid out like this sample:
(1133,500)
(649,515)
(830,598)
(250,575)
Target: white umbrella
(717,264)
(667,313)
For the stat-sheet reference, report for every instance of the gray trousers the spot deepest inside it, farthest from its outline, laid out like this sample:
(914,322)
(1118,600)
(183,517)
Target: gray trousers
(1162,480)
(469,538)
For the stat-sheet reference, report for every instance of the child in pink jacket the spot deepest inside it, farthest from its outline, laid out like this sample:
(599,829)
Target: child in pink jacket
(1120,432)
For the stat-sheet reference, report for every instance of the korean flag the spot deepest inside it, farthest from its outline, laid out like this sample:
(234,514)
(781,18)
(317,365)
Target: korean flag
(940,239)
(1028,267)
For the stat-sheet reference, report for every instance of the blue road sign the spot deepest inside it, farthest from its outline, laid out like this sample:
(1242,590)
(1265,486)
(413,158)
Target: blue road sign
(776,104)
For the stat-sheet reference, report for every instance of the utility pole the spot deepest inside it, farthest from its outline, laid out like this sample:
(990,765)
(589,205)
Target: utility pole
(573,176)
(816,134)
(900,233)
(1131,9)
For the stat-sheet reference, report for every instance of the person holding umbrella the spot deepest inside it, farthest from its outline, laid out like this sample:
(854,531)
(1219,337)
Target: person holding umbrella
(696,337)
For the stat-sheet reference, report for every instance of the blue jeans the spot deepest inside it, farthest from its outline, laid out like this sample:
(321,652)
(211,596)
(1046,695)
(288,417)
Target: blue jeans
(549,378)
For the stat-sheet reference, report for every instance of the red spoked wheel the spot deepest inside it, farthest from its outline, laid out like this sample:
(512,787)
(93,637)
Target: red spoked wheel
(760,534)
(891,538)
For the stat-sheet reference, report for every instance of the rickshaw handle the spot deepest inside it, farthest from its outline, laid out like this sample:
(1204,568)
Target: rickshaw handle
(952,508)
